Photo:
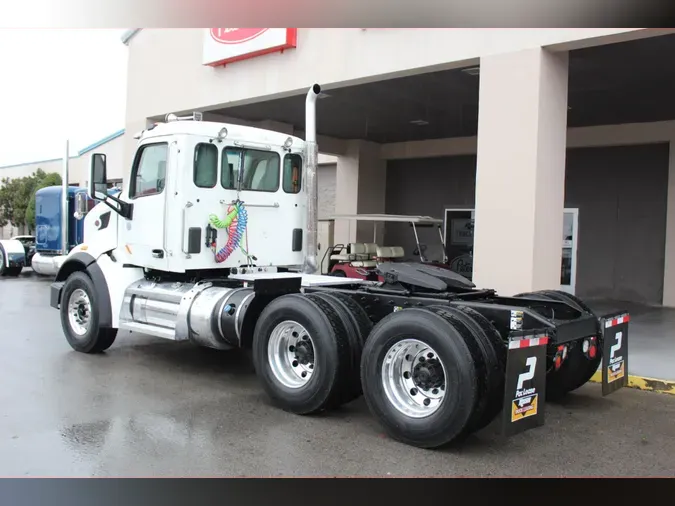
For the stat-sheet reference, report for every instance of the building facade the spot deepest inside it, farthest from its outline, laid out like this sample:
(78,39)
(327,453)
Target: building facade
(554,143)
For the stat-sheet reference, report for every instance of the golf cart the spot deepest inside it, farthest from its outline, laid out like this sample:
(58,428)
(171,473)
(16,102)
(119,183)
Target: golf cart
(371,261)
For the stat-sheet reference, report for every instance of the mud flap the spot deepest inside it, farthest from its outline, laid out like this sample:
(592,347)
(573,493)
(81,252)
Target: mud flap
(525,385)
(614,351)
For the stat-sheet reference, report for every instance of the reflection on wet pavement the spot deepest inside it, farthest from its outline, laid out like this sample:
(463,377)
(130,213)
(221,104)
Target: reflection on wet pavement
(155,408)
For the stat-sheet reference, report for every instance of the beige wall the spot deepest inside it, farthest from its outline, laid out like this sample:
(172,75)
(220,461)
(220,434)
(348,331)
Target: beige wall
(607,135)
(357,55)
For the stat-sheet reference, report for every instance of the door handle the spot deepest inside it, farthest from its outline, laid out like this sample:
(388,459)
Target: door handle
(182,233)
(157,253)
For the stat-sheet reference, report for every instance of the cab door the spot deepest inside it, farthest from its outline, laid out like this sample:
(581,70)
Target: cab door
(271,189)
(244,205)
(144,235)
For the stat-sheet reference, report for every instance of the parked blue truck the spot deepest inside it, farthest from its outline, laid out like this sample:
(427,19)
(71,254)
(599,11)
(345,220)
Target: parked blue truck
(44,252)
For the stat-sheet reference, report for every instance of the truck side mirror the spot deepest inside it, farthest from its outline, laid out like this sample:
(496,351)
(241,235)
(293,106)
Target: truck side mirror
(98,177)
(81,205)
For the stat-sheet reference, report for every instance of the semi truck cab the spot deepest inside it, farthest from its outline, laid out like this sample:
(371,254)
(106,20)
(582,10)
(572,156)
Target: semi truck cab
(203,196)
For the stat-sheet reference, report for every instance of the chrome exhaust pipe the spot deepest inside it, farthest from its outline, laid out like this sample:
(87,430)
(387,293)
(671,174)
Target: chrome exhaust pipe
(312,160)
(64,201)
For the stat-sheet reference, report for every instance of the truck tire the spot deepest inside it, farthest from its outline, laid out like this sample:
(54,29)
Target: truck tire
(356,320)
(576,370)
(419,377)
(302,354)
(493,353)
(480,361)
(80,316)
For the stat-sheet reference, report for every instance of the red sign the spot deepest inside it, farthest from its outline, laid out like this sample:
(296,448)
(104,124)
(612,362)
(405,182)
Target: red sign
(227,45)
(235,35)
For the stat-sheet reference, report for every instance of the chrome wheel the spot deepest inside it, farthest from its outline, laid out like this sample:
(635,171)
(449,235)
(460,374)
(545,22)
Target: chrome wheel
(413,378)
(79,312)
(290,353)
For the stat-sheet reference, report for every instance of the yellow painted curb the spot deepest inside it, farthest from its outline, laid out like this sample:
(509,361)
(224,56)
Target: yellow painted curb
(643,383)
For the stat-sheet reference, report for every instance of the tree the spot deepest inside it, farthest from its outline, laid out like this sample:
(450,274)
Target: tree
(17,198)
(8,190)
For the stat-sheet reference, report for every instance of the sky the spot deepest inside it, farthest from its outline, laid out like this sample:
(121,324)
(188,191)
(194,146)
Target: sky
(58,85)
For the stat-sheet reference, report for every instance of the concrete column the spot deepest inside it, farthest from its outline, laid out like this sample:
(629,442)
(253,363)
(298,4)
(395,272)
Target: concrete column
(669,267)
(522,128)
(359,189)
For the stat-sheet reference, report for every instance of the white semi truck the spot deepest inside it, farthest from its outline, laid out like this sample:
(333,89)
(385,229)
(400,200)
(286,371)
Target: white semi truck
(214,241)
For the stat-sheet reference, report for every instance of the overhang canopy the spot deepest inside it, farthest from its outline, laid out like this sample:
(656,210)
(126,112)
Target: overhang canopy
(628,82)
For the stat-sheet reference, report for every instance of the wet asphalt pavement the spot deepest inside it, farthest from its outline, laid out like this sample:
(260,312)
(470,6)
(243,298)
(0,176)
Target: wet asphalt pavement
(150,407)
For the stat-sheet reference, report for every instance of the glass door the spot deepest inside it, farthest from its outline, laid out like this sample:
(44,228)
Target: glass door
(458,238)
(568,274)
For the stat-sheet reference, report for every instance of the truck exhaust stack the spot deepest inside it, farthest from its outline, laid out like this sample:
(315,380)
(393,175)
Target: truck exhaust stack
(311,235)
(64,201)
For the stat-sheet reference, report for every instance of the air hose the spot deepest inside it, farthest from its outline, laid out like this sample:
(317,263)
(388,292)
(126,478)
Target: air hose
(235,222)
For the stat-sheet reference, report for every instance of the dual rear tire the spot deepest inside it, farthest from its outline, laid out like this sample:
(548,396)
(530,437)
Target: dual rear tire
(307,351)
(428,375)
(577,369)
(433,375)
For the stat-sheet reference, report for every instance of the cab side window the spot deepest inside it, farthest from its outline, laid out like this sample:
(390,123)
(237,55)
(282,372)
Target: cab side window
(205,170)
(149,172)
(292,173)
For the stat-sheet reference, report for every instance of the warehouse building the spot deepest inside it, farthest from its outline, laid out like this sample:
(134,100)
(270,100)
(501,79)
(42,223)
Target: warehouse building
(78,169)
(556,141)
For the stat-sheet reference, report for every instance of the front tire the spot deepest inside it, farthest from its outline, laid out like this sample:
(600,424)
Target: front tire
(80,316)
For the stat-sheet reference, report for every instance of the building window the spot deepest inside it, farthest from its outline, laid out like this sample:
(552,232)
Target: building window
(148,175)
(292,173)
(205,170)
(260,170)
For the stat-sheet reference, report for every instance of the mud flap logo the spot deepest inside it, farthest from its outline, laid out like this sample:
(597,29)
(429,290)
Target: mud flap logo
(525,403)
(615,352)
(615,368)
(525,383)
